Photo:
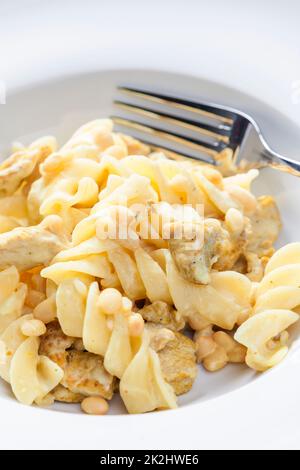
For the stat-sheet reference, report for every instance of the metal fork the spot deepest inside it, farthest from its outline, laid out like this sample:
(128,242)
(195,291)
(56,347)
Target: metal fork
(200,129)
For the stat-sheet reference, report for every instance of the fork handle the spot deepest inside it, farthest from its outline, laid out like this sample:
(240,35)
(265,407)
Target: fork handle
(281,163)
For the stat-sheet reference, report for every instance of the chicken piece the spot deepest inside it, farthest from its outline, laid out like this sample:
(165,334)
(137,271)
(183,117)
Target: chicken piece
(194,255)
(230,248)
(61,393)
(86,375)
(159,336)
(22,164)
(28,247)
(177,357)
(266,224)
(54,344)
(210,246)
(178,363)
(163,314)
(15,169)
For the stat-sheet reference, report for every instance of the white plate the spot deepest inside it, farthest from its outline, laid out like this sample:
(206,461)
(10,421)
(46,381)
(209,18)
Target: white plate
(233,408)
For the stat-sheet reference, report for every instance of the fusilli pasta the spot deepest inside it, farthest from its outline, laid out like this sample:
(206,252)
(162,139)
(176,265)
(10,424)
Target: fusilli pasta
(275,309)
(107,250)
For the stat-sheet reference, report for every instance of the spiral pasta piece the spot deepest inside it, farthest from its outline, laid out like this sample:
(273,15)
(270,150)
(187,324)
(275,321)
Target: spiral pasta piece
(142,386)
(275,309)
(11,338)
(79,170)
(31,376)
(12,297)
(258,331)
(288,254)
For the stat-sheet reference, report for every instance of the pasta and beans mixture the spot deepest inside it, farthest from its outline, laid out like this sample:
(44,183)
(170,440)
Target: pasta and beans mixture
(87,313)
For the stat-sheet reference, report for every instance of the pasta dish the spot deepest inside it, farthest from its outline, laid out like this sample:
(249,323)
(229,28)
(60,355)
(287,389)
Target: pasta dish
(122,269)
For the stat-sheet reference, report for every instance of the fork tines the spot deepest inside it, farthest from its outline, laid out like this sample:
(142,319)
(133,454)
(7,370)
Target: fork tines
(203,130)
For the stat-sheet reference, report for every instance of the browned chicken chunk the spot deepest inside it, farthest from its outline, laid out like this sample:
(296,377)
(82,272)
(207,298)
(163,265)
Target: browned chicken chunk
(177,357)
(54,344)
(61,393)
(230,248)
(266,225)
(194,256)
(163,314)
(84,373)
(214,248)
(28,247)
(178,363)
(159,336)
